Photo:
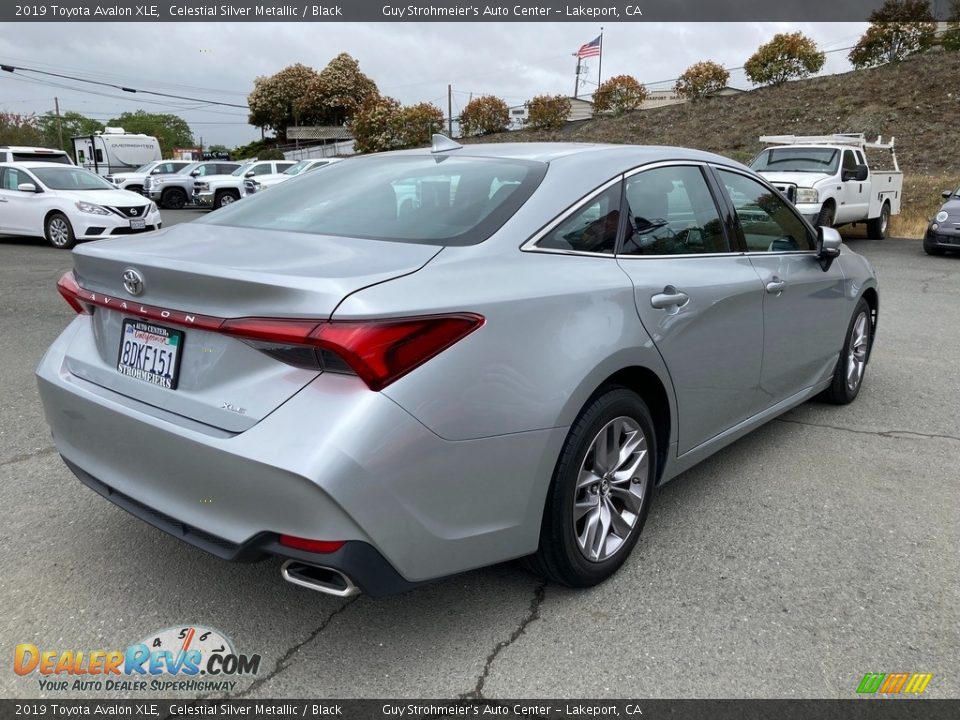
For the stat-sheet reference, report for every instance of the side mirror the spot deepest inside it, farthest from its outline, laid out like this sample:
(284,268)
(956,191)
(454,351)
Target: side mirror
(946,194)
(195,173)
(27,187)
(829,243)
(250,173)
(858,174)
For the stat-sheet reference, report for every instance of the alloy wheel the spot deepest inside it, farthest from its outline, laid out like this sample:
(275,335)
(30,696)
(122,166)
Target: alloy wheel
(59,232)
(857,354)
(610,489)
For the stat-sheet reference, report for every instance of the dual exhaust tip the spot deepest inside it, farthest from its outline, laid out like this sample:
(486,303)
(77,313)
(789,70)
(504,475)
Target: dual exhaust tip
(319,578)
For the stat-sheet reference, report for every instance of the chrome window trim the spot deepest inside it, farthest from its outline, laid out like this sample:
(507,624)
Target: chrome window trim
(530,245)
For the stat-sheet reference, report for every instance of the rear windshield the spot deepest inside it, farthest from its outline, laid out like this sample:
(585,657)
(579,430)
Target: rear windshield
(437,200)
(73,178)
(41,157)
(818,160)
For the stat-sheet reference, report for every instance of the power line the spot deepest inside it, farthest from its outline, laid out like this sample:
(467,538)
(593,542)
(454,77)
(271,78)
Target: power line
(13,68)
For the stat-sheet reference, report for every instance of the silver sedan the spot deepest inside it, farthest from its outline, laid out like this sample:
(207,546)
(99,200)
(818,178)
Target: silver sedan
(418,363)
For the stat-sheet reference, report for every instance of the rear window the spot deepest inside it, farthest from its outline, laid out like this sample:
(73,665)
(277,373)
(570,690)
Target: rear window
(42,157)
(437,200)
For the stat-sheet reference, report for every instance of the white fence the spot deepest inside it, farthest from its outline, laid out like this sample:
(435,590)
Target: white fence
(345,147)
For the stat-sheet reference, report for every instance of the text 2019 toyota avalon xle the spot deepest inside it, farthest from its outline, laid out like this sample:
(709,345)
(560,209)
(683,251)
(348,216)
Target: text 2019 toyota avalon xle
(417,363)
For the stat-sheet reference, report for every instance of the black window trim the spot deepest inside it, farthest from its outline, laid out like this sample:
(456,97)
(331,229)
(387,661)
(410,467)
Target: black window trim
(532,244)
(741,240)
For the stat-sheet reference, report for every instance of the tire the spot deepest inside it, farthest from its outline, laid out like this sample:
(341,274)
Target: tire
(878,228)
(225,197)
(135,188)
(59,232)
(827,214)
(572,551)
(173,199)
(856,349)
(932,249)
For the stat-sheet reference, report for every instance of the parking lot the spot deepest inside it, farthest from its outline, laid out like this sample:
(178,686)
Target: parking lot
(819,548)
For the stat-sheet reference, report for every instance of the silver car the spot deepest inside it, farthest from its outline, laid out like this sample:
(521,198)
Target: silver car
(418,363)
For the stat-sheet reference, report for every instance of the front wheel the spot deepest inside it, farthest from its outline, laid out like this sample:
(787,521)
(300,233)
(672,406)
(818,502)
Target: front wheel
(600,493)
(826,216)
(879,227)
(848,375)
(173,199)
(59,232)
(225,197)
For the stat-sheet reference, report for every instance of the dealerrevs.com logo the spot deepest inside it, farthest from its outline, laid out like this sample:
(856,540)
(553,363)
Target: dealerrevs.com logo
(184,659)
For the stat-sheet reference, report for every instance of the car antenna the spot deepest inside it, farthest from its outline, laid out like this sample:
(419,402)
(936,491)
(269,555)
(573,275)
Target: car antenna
(441,143)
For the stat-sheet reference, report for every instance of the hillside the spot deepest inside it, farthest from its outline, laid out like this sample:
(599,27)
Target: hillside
(917,101)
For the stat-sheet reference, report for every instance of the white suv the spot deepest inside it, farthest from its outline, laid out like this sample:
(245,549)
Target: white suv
(216,191)
(21,153)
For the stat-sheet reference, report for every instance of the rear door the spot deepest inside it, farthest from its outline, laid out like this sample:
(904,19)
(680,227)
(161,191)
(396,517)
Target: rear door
(802,331)
(698,297)
(855,195)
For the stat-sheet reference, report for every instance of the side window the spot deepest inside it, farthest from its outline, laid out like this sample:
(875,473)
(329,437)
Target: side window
(768,224)
(671,212)
(99,154)
(263,169)
(281,166)
(11,177)
(591,228)
(849,161)
(860,159)
(225,169)
(4,179)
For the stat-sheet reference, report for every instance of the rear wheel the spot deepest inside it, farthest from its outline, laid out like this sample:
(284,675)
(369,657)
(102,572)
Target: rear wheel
(58,231)
(600,492)
(225,197)
(173,199)
(848,375)
(879,227)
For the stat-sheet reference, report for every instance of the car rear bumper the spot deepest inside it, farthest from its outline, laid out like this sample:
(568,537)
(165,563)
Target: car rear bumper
(335,462)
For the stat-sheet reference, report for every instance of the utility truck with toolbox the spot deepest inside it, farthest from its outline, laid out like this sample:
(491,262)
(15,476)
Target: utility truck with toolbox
(830,180)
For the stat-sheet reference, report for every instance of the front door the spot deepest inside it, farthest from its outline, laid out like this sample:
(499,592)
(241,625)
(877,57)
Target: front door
(700,300)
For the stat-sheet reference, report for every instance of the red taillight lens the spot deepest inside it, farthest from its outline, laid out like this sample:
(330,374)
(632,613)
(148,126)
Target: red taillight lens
(383,351)
(67,286)
(314,546)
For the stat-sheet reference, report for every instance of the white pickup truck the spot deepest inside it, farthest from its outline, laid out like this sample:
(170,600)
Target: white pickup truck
(829,179)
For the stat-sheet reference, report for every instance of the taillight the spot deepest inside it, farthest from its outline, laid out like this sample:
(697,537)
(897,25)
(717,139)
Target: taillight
(67,286)
(378,351)
(314,546)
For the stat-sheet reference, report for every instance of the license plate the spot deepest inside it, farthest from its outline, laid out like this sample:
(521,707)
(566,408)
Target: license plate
(150,353)
(138,224)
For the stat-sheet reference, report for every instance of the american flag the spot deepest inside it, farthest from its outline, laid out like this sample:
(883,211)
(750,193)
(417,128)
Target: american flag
(591,49)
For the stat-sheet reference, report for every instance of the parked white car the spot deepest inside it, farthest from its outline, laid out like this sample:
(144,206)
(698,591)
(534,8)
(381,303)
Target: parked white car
(253,185)
(134,181)
(219,190)
(829,179)
(66,204)
(22,153)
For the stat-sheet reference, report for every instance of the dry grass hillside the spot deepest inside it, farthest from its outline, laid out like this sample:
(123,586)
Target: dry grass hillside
(917,101)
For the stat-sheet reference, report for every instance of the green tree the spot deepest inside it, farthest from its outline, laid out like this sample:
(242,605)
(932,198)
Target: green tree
(19,130)
(336,93)
(170,130)
(418,123)
(273,98)
(548,112)
(899,28)
(382,124)
(619,94)
(701,79)
(788,56)
(74,124)
(216,149)
(484,115)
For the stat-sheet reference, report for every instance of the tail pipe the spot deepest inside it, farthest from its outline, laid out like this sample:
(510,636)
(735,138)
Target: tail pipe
(319,578)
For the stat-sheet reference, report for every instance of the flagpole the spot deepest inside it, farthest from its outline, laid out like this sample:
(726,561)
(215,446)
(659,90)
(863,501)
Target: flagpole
(576,83)
(600,61)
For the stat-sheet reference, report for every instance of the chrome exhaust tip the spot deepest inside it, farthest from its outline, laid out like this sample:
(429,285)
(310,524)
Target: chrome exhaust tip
(319,578)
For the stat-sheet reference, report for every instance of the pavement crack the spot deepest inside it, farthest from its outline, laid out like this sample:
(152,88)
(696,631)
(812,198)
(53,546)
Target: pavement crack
(284,662)
(897,434)
(532,615)
(27,456)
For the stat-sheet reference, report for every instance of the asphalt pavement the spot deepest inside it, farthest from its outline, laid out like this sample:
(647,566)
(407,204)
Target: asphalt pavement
(821,547)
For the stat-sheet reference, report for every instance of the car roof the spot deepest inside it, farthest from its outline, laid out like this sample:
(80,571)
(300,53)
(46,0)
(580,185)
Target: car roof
(28,148)
(30,164)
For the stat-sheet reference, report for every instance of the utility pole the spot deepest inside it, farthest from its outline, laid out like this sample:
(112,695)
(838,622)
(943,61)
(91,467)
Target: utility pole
(450,111)
(56,104)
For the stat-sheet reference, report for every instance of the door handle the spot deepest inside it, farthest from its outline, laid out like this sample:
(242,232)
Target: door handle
(670,297)
(776,286)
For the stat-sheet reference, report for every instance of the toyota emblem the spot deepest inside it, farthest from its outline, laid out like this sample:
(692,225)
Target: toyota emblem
(132,281)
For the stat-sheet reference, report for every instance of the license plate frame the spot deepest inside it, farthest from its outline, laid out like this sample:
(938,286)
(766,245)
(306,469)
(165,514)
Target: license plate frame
(138,223)
(174,340)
